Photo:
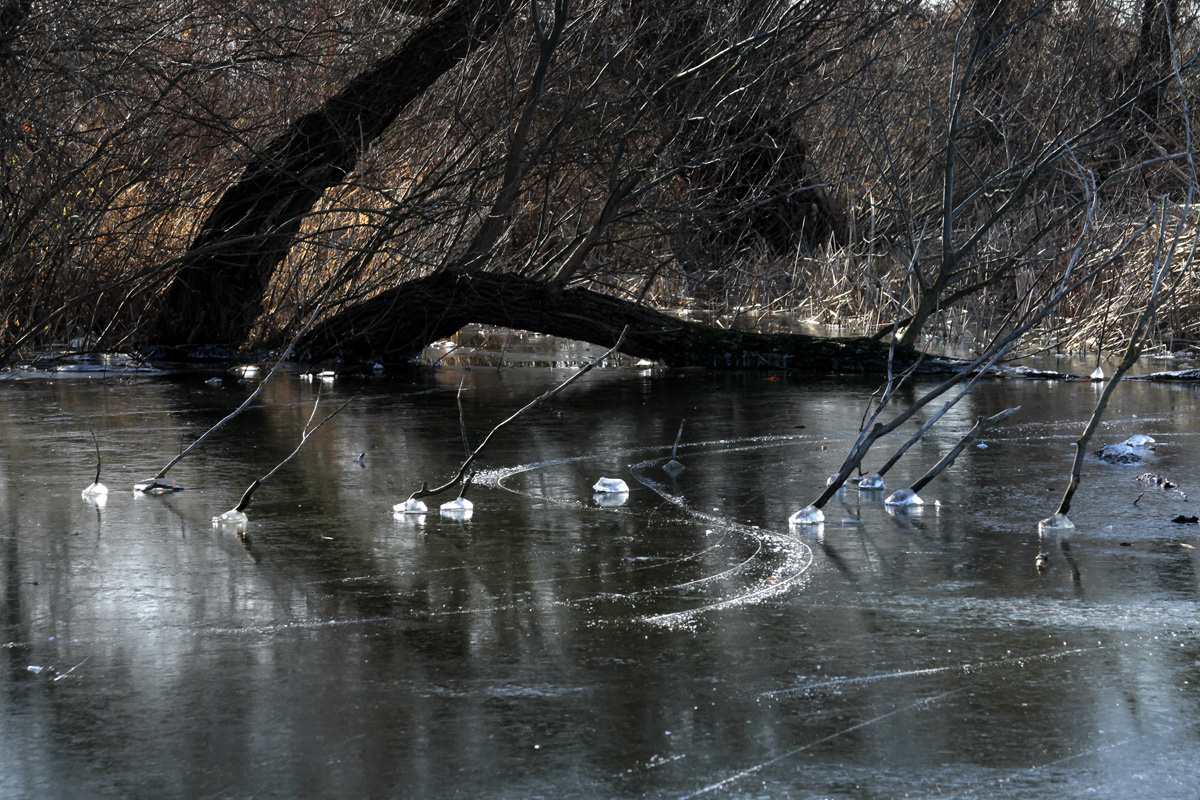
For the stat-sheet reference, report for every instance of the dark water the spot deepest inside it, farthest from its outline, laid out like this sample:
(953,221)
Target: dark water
(682,644)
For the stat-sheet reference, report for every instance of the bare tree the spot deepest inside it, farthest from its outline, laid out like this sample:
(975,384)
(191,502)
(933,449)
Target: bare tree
(574,167)
(120,122)
(216,294)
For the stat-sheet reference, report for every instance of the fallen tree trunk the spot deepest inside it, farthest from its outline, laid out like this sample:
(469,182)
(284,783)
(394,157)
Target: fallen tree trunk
(395,325)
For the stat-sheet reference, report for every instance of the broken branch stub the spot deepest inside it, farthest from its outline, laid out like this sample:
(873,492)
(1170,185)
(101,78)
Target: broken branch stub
(96,442)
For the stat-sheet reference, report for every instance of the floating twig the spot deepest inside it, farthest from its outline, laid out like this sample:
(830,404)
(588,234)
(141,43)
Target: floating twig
(62,675)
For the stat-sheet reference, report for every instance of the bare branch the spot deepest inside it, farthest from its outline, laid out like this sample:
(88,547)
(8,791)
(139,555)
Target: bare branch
(983,424)
(537,401)
(305,435)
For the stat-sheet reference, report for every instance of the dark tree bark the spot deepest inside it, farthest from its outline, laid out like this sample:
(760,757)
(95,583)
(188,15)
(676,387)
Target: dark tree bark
(217,294)
(762,191)
(1152,59)
(395,325)
(13,14)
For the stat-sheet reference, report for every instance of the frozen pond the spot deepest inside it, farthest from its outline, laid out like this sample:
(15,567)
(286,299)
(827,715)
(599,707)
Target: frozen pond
(676,642)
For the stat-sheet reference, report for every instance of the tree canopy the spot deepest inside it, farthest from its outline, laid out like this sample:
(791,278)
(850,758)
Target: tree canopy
(190,174)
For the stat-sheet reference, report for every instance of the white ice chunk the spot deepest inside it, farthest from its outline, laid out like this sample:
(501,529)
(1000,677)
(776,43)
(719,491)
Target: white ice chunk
(872,483)
(903,497)
(611,486)
(232,520)
(95,489)
(1055,524)
(1139,440)
(97,500)
(459,508)
(809,515)
(1097,374)
(411,506)
(610,499)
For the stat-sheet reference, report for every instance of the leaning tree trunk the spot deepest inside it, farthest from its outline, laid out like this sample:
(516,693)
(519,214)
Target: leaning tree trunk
(1152,57)
(217,294)
(393,326)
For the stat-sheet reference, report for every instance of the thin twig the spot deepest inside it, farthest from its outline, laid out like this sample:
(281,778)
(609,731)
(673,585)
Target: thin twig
(1133,351)
(245,403)
(949,404)
(96,442)
(462,418)
(1064,286)
(62,675)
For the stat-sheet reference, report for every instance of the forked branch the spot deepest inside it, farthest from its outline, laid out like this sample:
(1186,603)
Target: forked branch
(250,399)
(424,491)
(306,434)
(1066,284)
(1133,351)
